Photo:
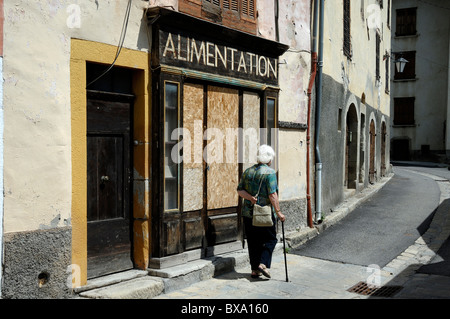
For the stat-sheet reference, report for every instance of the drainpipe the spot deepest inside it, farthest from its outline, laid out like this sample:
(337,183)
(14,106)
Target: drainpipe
(312,80)
(318,110)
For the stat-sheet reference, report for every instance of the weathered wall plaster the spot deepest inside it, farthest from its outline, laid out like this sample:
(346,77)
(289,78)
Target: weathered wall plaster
(37,99)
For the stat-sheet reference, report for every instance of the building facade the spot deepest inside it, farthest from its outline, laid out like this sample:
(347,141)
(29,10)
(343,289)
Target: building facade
(353,110)
(129,123)
(98,178)
(420,99)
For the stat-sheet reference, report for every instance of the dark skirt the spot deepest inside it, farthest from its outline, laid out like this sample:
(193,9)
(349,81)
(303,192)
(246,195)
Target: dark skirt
(261,243)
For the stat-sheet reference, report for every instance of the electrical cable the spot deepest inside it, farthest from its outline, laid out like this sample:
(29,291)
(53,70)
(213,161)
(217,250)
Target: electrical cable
(120,45)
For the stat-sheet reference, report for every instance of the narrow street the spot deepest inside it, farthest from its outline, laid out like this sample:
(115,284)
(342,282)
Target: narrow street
(402,232)
(382,228)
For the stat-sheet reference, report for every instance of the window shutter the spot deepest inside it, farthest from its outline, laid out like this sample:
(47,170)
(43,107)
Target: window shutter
(213,2)
(347,38)
(377,56)
(404,111)
(406,22)
(248,8)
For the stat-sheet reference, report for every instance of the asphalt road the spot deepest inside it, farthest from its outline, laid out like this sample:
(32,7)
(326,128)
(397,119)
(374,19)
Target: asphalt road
(382,227)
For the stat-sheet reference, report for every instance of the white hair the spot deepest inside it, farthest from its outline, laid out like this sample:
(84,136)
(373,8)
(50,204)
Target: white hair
(265,154)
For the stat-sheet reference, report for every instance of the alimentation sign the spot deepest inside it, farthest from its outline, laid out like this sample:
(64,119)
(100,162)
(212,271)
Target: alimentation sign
(207,55)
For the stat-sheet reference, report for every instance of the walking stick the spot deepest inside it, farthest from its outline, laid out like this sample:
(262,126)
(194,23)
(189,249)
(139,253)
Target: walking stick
(284,250)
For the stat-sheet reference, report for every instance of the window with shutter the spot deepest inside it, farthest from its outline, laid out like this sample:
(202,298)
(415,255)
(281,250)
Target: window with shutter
(232,5)
(248,8)
(236,14)
(387,80)
(377,56)
(347,37)
(406,22)
(409,73)
(404,111)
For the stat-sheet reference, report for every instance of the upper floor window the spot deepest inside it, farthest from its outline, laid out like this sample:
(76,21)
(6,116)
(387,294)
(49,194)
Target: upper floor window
(347,36)
(377,56)
(409,73)
(406,22)
(404,111)
(237,14)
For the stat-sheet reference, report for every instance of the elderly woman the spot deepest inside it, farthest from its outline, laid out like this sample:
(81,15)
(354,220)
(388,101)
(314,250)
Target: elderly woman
(261,240)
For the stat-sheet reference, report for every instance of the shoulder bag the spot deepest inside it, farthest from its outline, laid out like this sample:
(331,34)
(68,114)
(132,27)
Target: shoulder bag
(262,215)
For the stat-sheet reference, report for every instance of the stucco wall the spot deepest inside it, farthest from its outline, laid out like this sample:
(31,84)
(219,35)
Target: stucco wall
(345,82)
(432,51)
(294,68)
(1,171)
(358,73)
(37,112)
(37,99)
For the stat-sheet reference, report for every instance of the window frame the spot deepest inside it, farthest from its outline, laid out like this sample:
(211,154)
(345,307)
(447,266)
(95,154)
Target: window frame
(270,95)
(178,179)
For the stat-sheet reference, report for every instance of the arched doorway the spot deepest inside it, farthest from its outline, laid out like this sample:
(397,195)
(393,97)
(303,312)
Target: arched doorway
(383,149)
(351,147)
(372,170)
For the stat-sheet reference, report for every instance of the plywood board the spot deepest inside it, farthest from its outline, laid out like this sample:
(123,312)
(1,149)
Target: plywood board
(192,189)
(193,124)
(222,160)
(192,147)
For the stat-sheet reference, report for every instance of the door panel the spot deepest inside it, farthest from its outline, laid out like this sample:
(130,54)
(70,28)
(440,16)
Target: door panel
(108,184)
(223,170)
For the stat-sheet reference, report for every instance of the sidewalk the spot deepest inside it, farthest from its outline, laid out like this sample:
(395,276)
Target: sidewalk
(228,277)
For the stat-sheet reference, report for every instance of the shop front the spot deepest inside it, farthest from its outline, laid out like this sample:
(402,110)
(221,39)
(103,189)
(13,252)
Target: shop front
(214,99)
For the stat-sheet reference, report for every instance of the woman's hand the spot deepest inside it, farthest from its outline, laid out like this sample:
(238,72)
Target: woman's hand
(281,217)
(247,196)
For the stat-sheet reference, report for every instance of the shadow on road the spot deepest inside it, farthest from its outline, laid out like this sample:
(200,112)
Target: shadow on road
(426,270)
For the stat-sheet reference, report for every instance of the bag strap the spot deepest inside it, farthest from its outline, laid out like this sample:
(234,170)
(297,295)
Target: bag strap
(257,194)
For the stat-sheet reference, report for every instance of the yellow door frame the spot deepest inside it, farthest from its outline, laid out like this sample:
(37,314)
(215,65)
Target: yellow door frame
(83,51)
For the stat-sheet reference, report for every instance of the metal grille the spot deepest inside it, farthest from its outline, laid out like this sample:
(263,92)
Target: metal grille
(362,288)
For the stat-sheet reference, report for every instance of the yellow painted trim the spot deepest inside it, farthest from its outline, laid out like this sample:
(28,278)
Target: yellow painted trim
(87,51)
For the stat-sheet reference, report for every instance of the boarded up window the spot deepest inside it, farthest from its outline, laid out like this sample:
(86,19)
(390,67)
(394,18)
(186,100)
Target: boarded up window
(410,68)
(404,111)
(406,22)
(347,38)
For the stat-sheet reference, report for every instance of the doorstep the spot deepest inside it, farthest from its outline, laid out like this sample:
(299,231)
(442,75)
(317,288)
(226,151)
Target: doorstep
(146,284)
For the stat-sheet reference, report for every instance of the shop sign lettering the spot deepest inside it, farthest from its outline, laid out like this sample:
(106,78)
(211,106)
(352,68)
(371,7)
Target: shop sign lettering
(204,55)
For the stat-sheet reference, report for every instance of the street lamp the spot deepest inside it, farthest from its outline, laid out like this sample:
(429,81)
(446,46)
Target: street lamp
(400,63)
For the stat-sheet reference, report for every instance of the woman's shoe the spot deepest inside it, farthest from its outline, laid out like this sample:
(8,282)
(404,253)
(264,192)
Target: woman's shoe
(263,269)
(255,274)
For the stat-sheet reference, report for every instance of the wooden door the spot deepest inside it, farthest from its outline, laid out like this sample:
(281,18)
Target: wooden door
(108,183)
(383,149)
(222,169)
(372,153)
